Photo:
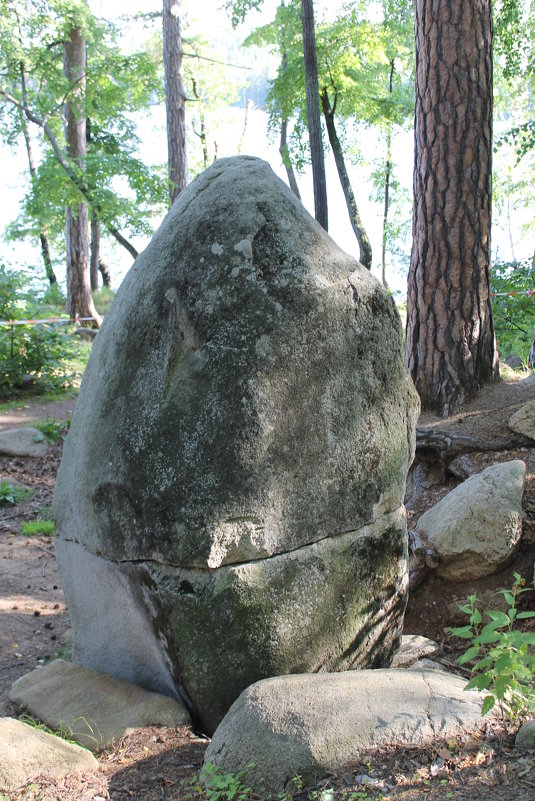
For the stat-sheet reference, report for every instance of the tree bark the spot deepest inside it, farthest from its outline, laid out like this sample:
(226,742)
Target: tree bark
(314,113)
(365,247)
(175,101)
(79,298)
(450,344)
(105,273)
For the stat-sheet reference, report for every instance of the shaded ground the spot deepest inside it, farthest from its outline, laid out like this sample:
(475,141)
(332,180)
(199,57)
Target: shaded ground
(152,764)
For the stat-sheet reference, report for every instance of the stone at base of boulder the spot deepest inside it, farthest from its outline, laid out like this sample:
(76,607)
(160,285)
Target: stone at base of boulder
(28,752)
(312,725)
(25,441)
(414,647)
(93,708)
(526,736)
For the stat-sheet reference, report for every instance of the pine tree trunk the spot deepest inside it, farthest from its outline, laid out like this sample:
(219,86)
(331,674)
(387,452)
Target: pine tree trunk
(450,345)
(357,225)
(314,113)
(79,299)
(174,100)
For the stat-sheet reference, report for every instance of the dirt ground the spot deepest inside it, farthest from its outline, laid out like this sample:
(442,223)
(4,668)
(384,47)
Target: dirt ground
(155,763)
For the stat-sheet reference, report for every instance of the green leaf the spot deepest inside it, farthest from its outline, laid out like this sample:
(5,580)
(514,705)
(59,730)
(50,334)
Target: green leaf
(38,436)
(498,617)
(525,615)
(465,632)
(468,655)
(487,705)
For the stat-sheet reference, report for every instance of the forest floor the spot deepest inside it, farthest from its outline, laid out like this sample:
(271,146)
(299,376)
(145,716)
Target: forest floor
(155,764)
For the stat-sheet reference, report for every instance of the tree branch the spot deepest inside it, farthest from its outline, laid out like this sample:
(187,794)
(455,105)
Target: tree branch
(71,172)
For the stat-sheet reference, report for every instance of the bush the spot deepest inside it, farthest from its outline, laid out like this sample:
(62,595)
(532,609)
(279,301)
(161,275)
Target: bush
(505,666)
(36,355)
(514,315)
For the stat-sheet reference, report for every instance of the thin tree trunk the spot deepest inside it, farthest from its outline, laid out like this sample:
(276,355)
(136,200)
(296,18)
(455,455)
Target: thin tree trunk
(248,107)
(95,251)
(365,247)
(285,156)
(450,344)
(79,298)
(388,172)
(202,132)
(314,113)
(43,238)
(105,273)
(175,101)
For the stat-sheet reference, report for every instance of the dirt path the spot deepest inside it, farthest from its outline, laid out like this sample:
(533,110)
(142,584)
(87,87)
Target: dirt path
(154,764)
(34,410)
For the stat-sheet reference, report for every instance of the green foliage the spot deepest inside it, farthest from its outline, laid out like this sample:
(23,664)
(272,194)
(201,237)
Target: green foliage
(503,654)
(32,528)
(212,785)
(32,355)
(103,299)
(54,429)
(514,314)
(11,494)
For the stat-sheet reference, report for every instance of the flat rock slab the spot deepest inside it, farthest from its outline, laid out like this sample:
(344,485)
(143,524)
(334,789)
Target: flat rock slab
(93,708)
(25,441)
(523,421)
(28,752)
(315,724)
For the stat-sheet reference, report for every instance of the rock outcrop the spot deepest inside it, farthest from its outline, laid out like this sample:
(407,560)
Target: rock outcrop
(229,505)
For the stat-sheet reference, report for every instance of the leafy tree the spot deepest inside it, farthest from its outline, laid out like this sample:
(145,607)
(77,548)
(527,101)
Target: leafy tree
(31,40)
(355,64)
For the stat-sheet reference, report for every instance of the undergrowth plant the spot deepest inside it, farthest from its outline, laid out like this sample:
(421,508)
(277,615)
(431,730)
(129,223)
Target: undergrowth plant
(10,494)
(214,785)
(503,654)
(53,428)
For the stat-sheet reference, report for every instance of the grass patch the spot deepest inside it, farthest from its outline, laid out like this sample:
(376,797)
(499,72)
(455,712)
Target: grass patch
(32,528)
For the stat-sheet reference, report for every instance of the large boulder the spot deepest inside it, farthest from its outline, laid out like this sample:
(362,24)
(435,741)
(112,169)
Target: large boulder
(476,528)
(229,504)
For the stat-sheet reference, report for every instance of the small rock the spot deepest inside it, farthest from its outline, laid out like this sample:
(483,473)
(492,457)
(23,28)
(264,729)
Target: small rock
(414,647)
(25,441)
(426,664)
(462,466)
(526,736)
(476,528)
(28,752)
(95,709)
(523,421)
